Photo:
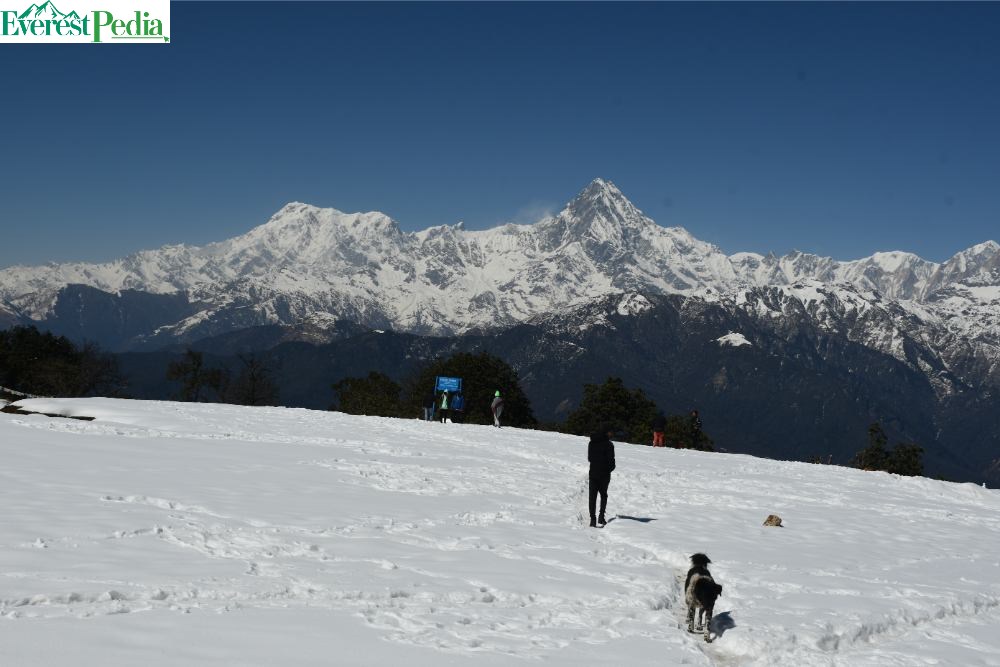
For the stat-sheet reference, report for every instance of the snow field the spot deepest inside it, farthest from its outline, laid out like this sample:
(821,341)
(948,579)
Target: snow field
(169,533)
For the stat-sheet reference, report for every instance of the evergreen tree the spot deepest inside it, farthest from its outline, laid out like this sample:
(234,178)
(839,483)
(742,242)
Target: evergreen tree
(190,371)
(679,433)
(97,372)
(42,363)
(376,394)
(874,456)
(906,460)
(482,375)
(627,410)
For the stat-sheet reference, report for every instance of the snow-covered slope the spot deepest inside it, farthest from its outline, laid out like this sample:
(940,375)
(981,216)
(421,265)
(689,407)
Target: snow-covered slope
(165,534)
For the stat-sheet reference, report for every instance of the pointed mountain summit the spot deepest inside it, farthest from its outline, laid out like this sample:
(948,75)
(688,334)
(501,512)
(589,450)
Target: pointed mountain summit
(600,217)
(602,204)
(978,265)
(600,189)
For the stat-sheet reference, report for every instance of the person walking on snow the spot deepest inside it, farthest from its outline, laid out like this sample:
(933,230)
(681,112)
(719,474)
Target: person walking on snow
(695,425)
(497,408)
(601,454)
(443,411)
(429,405)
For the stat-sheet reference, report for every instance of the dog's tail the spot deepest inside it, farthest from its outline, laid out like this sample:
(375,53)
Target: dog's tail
(700,560)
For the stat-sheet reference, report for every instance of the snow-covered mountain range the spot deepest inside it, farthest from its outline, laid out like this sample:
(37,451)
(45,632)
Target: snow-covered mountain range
(314,264)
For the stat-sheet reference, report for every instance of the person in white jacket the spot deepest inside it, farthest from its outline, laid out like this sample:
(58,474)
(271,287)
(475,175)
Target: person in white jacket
(497,408)
(443,406)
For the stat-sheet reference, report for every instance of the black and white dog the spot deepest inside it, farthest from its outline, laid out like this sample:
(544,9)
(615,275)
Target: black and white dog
(700,592)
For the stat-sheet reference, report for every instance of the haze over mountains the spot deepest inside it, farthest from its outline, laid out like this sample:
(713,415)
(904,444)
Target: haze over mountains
(601,289)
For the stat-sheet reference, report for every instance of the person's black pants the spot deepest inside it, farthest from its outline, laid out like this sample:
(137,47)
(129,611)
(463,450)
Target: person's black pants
(599,484)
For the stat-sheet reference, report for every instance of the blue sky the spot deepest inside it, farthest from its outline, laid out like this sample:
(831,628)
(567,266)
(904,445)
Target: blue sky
(840,129)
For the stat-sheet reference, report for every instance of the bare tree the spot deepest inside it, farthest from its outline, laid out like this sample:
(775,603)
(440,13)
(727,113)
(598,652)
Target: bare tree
(253,385)
(190,371)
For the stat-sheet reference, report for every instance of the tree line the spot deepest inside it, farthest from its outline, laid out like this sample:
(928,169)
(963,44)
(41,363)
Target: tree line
(252,383)
(482,374)
(628,411)
(903,459)
(42,363)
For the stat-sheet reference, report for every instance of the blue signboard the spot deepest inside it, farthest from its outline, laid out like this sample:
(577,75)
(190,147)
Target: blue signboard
(448,384)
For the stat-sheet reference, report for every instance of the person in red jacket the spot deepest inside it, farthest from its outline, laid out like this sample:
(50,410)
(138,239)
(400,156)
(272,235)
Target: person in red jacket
(659,428)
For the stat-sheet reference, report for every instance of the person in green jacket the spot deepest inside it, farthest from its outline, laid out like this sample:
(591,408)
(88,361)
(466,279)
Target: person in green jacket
(443,407)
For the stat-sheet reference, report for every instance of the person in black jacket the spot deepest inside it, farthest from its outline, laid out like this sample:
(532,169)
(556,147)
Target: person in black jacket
(695,425)
(601,454)
(429,406)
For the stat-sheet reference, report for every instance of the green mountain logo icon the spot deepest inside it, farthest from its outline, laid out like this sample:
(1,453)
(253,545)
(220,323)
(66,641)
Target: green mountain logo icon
(46,10)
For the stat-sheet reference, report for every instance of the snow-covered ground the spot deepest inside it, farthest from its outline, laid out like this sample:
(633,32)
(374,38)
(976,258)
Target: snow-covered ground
(182,534)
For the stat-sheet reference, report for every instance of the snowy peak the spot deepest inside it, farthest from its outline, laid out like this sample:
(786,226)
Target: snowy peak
(897,275)
(798,265)
(297,217)
(986,247)
(602,201)
(978,265)
(300,235)
(891,262)
(601,191)
(601,215)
